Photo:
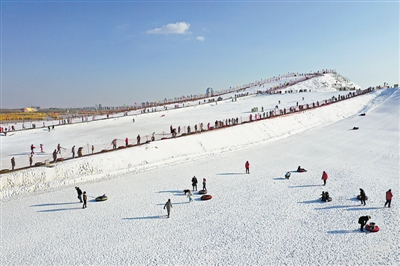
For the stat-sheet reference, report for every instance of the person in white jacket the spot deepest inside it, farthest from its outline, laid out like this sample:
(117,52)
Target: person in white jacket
(190,196)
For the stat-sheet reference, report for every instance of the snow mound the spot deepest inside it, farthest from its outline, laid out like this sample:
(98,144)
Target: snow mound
(326,83)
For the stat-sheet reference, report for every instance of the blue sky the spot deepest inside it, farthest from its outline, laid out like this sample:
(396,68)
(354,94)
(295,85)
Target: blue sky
(76,53)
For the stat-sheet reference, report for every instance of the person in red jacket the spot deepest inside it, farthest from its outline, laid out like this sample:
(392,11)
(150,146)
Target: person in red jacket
(247,166)
(324,177)
(389,196)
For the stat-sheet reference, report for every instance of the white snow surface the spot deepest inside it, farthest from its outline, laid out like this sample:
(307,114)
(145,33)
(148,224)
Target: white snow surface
(259,218)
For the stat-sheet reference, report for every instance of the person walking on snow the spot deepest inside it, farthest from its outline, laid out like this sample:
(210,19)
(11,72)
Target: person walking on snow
(194,183)
(190,196)
(363,221)
(389,196)
(247,166)
(204,184)
(324,177)
(79,191)
(84,200)
(32,149)
(59,148)
(73,151)
(168,205)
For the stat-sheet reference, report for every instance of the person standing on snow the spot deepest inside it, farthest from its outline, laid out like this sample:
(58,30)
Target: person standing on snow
(247,166)
(363,196)
(30,160)
(41,148)
(32,149)
(138,139)
(80,149)
(12,163)
(324,177)
(114,143)
(84,200)
(59,148)
(55,155)
(194,183)
(79,191)
(73,151)
(126,142)
(168,205)
(389,196)
(204,184)
(363,221)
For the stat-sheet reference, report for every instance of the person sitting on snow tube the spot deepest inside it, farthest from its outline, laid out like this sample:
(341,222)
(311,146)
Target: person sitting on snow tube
(323,196)
(101,198)
(300,170)
(287,175)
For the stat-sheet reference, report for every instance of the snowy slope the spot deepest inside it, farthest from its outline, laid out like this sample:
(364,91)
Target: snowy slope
(255,219)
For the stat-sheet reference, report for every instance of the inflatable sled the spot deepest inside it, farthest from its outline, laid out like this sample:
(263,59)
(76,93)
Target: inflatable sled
(301,170)
(329,199)
(363,114)
(206,197)
(202,191)
(355,128)
(371,227)
(102,198)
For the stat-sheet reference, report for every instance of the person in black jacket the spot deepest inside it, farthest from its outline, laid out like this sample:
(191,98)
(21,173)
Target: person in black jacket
(194,183)
(84,200)
(363,197)
(168,205)
(363,221)
(79,191)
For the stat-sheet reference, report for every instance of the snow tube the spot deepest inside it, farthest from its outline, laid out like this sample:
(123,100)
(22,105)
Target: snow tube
(202,191)
(101,198)
(370,228)
(302,170)
(355,128)
(359,197)
(104,150)
(206,197)
(121,147)
(60,159)
(363,114)
(328,200)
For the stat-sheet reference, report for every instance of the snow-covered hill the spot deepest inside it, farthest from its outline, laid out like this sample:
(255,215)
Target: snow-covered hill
(252,219)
